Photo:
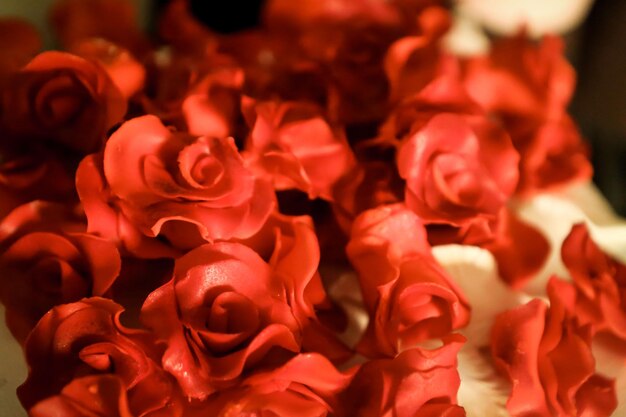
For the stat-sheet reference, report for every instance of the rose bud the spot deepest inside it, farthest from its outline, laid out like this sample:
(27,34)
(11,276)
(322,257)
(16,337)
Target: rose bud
(408,295)
(291,144)
(528,86)
(86,338)
(599,281)
(416,383)
(546,354)
(306,386)
(152,182)
(222,312)
(45,269)
(60,101)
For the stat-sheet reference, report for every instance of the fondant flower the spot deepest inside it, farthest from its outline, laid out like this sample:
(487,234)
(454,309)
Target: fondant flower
(546,354)
(43,269)
(459,170)
(187,190)
(599,281)
(409,297)
(416,383)
(86,338)
(529,86)
(293,145)
(61,101)
(223,312)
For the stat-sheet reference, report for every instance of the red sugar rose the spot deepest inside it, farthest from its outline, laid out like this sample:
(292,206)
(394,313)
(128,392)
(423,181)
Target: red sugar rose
(152,182)
(599,282)
(223,312)
(86,338)
(292,144)
(43,269)
(546,354)
(416,383)
(529,86)
(459,169)
(409,297)
(60,100)
(306,386)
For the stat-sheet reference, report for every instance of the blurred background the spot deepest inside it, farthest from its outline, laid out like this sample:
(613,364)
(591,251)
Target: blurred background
(594,32)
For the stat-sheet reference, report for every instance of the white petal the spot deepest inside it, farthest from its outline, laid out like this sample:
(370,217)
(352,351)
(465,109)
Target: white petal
(475,271)
(483,393)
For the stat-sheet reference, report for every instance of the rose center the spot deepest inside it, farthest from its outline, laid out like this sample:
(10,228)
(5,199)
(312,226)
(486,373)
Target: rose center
(458,178)
(59,101)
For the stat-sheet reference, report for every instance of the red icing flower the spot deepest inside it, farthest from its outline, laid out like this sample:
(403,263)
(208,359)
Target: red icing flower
(460,170)
(61,101)
(599,281)
(152,182)
(223,312)
(305,386)
(416,383)
(409,297)
(546,354)
(43,269)
(293,145)
(529,87)
(86,338)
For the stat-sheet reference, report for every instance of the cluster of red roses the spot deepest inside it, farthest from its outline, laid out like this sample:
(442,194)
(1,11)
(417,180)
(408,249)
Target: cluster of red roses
(217,188)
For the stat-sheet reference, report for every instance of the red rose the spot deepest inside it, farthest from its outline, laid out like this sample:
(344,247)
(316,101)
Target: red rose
(86,338)
(290,246)
(153,182)
(306,386)
(599,281)
(409,297)
(546,354)
(113,20)
(223,312)
(416,383)
(529,86)
(460,170)
(95,395)
(60,100)
(44,269)
(292,144)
